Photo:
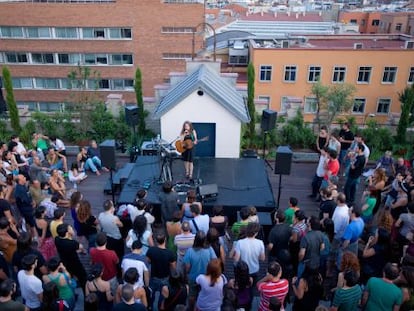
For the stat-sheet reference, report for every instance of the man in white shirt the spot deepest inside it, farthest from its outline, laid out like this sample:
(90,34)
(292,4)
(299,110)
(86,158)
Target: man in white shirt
(340,219)
(58,145)
(251,250)
(320,172)
(30,285)
(199,222)
(137,260)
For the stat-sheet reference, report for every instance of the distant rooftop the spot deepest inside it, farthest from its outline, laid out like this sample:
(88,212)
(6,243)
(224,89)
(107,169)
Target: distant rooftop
(284,17)
(61,1)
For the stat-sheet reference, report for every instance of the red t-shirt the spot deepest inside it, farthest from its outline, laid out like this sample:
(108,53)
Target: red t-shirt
(333,167)
(272,289)
(108,259)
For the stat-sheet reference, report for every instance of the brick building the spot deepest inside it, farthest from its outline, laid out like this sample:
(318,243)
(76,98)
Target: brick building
(42,41)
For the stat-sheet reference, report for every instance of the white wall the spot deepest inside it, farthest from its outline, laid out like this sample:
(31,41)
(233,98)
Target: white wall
(204,109)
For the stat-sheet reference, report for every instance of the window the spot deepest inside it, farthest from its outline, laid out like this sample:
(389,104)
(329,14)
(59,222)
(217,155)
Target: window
(265,73)
(177,29)
(353,21)
(364,74)
(310,105)
(50,107)
(31,105)
(398,27)
(176,56)
(1,57)
(359,105)
(38,32)
(121,59)
(102,59)
(64,84)
(11,32)
(120,33)
(22,83)
(129,83)
(389,74)
(290,74)
(411,75)
(90,59)
(339,74)
(69,58)
(384,105)
(16,57)
(314,73)
(42,58)
(375,22)
(284,104)
(47,83)
(66,32)
(103,84)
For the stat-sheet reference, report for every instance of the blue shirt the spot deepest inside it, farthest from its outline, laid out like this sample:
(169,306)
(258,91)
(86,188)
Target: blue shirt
(354,230)
(198,260)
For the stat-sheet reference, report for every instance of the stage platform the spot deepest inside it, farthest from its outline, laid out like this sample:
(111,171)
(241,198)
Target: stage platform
(240,182)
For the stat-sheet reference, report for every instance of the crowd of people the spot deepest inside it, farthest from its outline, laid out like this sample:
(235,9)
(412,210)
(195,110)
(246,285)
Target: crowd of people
(357,253)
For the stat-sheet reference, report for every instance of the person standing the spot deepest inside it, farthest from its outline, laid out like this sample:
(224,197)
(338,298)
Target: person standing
(169,201)
(355,172)
(319,174)
(272,285)
(353,231)
(7,290)
(25,203)
(30,285)
(110,224)
(188,136)
(381,294)
(340,219)
(183,242)
(128,300)
(346,137)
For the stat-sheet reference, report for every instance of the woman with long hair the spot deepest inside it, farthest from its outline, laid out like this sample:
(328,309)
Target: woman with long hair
(211,284)
(187,134)
(349,262)
(213,241)
(242,285)
(46,242)
(220,222)
(87,222)
(185,208)
(51,300)
(377,183)
(140,232)
(174,293)
(101,288)
(308,291)
(75,199)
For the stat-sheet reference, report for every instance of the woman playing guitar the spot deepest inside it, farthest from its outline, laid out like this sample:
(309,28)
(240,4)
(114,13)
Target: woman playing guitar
(188,137)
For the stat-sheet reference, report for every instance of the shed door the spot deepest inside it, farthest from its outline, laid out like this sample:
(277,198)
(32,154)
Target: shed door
(206,132)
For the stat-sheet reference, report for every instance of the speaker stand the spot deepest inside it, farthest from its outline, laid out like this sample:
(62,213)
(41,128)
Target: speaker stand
(265,133)
(279,190)
(112,184)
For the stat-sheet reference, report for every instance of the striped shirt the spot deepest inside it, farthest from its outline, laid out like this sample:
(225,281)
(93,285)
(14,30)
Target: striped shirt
(272,289)
(183,243)
(347,299)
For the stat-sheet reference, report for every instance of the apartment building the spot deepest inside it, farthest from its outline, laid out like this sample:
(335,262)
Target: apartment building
(379,66)
(41,41)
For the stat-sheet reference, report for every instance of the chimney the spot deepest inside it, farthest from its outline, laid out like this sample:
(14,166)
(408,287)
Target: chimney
(288,13)
(275,14)
(320,13)
(261,13)
(304,13)
(297,15)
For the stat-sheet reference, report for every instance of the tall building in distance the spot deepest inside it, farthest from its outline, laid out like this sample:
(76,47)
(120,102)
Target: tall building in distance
(43,41)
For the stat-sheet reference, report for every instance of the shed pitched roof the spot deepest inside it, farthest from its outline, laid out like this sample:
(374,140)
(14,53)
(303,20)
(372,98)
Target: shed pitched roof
(212,84)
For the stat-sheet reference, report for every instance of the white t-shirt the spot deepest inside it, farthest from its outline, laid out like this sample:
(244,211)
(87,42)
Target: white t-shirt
(30,286)
(320,170)
(59,145)
(144,240)
(250,251)
(202,222)
(134,263)
(340,219)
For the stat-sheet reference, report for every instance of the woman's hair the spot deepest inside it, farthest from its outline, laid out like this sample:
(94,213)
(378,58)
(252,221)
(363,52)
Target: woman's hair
(184,124)
(191,196)
(131,276)
(75,199)
(349,261)
(213,236)
(175,280)
(241,275)
(199,240)
(84,211)
(176,216)
(328,228)
(312,277)
(214,270)
(139,226)
(95,272)
(24,242)
(50,295)
(53,264)
(218,210)
(380,174)
(91,302)
(39,211)
(74,166)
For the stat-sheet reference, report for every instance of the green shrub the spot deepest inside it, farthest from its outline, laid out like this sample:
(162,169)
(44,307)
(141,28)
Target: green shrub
(296,133)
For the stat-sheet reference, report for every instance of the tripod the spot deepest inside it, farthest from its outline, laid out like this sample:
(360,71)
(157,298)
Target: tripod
(265,133)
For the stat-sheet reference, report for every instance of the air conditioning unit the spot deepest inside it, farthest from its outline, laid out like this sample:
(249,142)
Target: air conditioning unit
(285,44)
(358,46)
(409,44)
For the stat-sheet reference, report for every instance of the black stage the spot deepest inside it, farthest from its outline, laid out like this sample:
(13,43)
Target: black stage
(240,182)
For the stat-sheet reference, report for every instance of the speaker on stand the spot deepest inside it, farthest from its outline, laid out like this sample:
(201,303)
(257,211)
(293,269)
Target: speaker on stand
(283,165)
(268,123)
(132,119)
(107,151)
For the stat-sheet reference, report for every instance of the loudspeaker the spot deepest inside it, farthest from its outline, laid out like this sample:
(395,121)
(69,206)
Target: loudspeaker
(283,161)
(131,115)
(268,121)
(209,191)
(107,150)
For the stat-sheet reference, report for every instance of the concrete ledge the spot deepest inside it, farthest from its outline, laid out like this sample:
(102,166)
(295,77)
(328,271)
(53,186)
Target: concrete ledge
(310,157)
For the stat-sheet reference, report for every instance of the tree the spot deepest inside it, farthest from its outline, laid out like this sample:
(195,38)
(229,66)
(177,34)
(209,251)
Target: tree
(320,91)
(251,130)
(140,102)
(407,105)
(340,100)
(11,103)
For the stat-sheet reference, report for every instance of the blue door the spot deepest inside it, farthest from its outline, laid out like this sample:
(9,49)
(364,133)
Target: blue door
(206,134)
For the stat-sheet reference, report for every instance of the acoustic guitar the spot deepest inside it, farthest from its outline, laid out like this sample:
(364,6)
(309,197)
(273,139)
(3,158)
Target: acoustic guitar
(187,144)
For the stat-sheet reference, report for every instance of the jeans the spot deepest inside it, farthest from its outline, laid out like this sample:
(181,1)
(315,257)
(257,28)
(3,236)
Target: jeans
(58,165)
(93,164)
(156,285)
(350,189)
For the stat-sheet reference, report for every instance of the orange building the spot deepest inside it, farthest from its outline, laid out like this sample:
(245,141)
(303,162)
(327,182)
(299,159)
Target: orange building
(379,66)
(42,41)
(368,22)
